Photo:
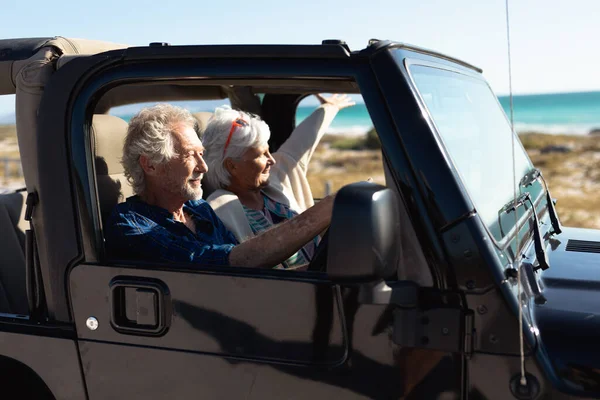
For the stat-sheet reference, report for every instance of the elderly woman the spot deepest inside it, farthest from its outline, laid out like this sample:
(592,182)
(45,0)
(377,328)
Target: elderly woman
(254,189)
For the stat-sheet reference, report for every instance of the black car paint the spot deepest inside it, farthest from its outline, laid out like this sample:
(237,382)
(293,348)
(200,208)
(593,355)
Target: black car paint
(241,329)
(54,359)
(161,366)
(569,321)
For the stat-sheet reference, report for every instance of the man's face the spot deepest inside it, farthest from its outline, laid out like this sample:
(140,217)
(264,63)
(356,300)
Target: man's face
(181,175)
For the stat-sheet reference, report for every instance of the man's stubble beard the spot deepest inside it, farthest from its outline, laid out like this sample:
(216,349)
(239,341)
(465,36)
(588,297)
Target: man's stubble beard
(185,189)
(191,193)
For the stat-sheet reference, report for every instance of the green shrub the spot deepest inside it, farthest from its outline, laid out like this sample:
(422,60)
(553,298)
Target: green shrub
(370,141)
(348,143)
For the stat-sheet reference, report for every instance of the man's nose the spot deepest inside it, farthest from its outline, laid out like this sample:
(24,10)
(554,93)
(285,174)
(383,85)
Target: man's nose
(272,160)
(201,164)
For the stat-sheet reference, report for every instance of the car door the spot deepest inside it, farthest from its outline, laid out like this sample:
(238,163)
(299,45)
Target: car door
(153,333)
(162,331)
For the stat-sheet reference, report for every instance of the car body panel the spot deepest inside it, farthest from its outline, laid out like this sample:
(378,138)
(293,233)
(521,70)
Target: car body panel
(54,359)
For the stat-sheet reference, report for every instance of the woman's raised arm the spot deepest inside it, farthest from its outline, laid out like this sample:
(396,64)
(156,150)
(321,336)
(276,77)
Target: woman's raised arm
(305,138)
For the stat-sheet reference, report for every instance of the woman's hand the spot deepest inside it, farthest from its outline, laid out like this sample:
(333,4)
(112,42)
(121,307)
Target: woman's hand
(340,101)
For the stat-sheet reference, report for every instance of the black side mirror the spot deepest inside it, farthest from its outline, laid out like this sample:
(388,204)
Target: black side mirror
(363,236)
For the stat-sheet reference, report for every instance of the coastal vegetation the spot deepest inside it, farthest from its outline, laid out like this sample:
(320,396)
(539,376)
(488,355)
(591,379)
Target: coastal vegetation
(8,141)
(570,164)
(9,150)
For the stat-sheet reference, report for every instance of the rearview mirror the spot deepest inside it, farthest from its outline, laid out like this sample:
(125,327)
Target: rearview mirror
(363,236)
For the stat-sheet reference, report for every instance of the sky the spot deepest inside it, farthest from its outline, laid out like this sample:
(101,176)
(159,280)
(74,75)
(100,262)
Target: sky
(553,43)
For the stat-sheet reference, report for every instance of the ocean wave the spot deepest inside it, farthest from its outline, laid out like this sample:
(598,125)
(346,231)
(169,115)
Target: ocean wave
(520,127)
(556,129)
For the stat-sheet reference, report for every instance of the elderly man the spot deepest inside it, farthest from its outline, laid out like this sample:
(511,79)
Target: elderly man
(166,220)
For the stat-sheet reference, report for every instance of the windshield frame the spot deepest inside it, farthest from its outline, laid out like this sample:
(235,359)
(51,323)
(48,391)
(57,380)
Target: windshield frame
(510,234)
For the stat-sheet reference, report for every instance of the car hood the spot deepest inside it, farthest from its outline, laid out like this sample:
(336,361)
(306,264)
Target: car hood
(569,322)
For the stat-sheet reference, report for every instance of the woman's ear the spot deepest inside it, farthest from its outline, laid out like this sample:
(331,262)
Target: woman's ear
(230,165)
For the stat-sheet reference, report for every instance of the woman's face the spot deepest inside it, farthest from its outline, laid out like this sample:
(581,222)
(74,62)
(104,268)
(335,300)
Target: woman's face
(252,170)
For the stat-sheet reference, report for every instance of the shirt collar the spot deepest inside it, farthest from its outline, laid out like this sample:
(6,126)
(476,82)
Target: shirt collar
(137,203)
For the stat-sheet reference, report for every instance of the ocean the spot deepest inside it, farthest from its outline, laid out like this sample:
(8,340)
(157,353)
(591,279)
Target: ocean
(561,113)
(566,113)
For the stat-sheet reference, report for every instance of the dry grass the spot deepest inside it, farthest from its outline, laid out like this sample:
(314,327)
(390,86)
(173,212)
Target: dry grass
(341,167)
(9,148)
(8,131)
(8,141)
(573,177)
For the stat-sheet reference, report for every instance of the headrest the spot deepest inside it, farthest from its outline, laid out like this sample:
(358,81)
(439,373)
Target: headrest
(202,117)
(108,136)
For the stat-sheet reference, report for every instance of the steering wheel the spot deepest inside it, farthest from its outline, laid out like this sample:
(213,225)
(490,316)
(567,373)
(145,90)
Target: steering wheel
(319,260)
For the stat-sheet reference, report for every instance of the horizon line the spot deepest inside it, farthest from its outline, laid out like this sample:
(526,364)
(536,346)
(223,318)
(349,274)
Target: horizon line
(13,112)
(548,93)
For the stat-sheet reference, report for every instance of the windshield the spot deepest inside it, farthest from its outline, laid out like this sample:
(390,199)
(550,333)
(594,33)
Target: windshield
(477,136)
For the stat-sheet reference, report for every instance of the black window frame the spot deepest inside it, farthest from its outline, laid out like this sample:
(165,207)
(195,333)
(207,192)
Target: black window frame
(177,69)
(67,108)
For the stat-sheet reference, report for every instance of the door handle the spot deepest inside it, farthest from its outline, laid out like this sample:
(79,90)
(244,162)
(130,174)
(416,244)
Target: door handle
(139,306)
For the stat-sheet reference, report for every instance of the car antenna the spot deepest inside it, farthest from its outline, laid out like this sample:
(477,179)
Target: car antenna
(523,379)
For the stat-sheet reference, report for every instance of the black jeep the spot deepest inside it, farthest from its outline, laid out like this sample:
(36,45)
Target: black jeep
(445,324)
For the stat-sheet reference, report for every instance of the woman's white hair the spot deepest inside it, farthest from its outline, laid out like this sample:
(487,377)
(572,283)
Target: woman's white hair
(256,134)
(149,134)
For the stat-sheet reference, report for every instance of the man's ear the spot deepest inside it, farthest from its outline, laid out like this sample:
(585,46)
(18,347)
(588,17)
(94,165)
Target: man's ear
(147,166)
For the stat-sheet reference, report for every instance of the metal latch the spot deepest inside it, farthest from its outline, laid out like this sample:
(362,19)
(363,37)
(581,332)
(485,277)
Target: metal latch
(33,275)
(31,201)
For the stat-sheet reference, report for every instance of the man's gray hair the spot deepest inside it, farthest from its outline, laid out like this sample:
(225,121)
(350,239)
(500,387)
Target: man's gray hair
(256,134)
(149,134)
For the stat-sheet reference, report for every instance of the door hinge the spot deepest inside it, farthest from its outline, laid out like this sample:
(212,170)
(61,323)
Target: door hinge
(423,317)
(444,326)
(436,329)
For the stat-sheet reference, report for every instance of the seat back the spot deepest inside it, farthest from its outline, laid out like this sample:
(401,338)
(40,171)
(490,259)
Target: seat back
(108,136)
(202,117)
(13,294)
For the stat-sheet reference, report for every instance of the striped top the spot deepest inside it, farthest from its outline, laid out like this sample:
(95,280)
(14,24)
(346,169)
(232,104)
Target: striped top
(274,213)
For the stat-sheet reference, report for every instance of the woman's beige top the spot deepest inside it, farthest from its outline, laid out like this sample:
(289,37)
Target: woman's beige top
(287,183)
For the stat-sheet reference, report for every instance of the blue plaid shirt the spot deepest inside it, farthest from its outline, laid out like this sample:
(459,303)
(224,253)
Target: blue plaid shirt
(140,231)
